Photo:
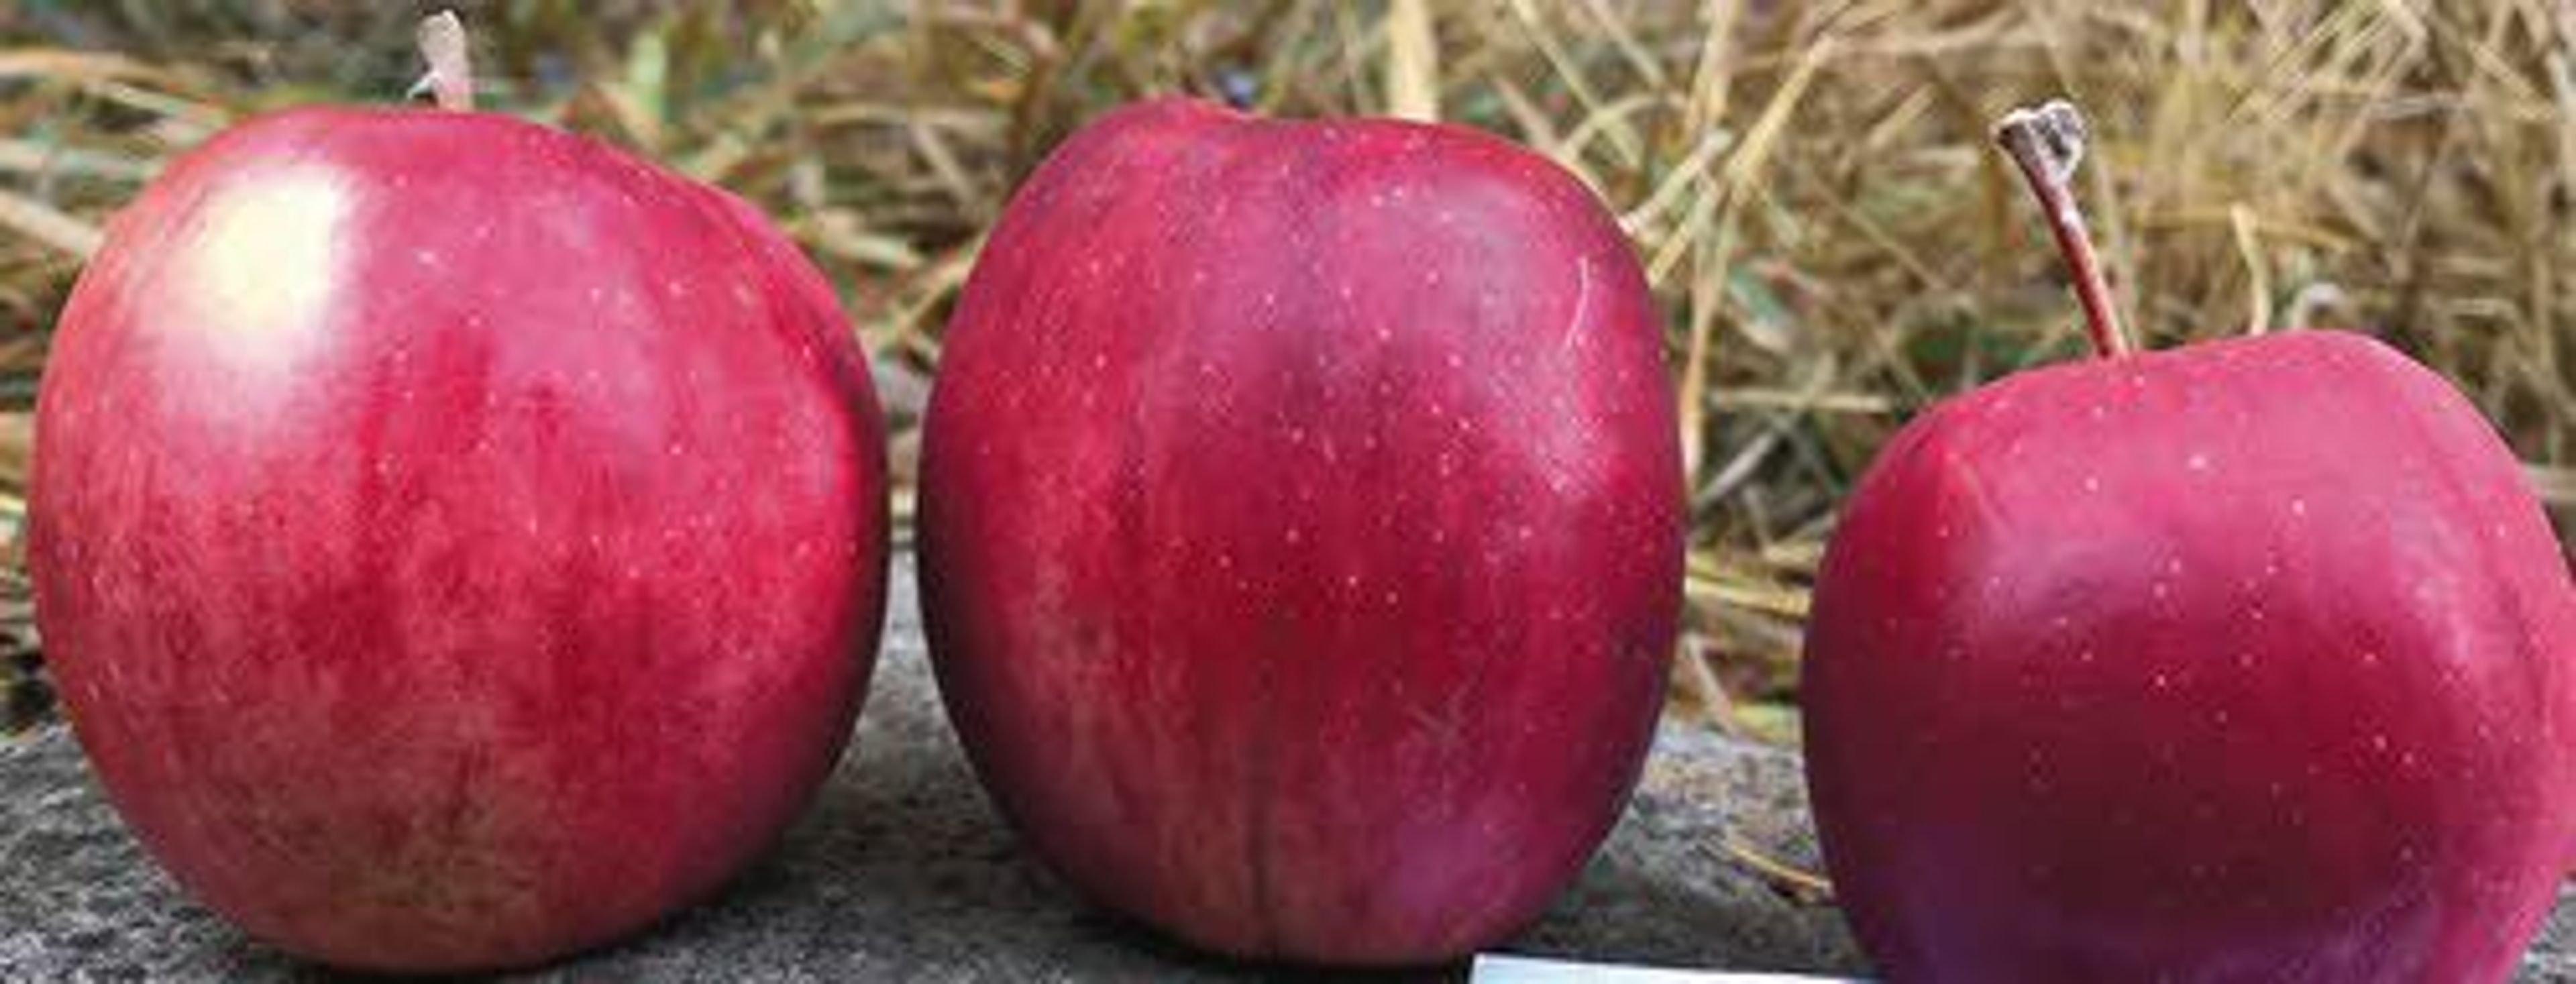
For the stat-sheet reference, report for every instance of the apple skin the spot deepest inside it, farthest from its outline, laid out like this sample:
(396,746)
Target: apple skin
(2249,661)
(458,543)
(1301,533)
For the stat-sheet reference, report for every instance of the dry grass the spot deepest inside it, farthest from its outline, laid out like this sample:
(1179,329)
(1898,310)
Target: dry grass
(1807,180)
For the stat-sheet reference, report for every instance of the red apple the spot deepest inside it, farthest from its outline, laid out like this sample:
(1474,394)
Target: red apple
(1301,533)
(458,543)
(2245,662)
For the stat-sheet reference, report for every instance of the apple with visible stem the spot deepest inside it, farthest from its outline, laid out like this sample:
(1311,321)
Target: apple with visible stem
(2253,660)
(1301,532)
(458,543)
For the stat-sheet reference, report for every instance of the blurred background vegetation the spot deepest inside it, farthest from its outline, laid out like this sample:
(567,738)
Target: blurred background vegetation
(1808,182)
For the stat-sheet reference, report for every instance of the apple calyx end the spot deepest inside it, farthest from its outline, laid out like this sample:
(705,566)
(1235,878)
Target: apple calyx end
(2047,143)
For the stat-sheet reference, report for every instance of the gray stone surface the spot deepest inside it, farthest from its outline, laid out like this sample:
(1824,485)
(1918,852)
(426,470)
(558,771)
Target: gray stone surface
(902,871)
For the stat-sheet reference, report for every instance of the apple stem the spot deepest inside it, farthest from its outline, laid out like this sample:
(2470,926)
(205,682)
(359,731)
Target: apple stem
(451,69)
(2048,143)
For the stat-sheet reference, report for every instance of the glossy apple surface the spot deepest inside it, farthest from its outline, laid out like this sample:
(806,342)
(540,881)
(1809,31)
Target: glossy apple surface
(2250,661)
(1301,534)
(458,543)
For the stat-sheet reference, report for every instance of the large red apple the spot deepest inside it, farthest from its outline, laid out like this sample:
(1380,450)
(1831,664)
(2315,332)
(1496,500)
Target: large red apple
(2251,661)
(458,543)
(1301,534)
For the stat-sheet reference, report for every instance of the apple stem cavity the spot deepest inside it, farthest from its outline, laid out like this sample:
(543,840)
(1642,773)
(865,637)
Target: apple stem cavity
(451,69)
(2048,143)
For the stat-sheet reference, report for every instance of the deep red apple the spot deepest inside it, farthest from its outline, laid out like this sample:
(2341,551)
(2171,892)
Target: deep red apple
(1301,533)
(2250,661)
(458,543)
